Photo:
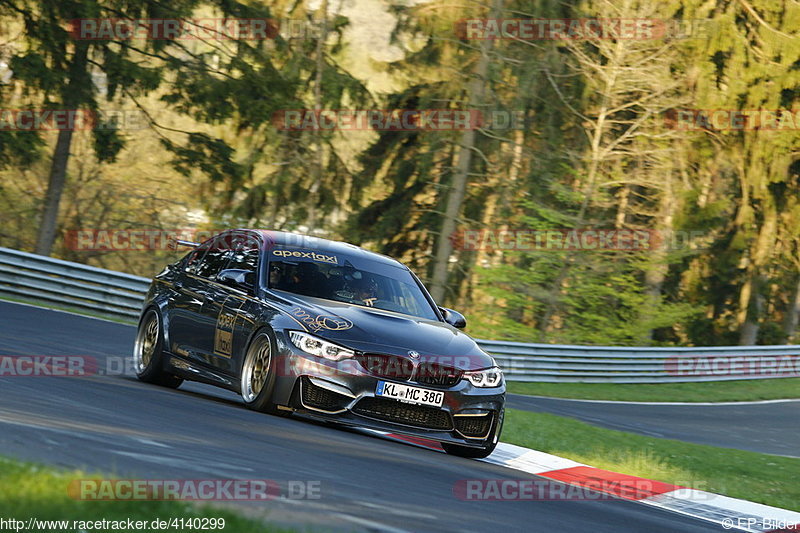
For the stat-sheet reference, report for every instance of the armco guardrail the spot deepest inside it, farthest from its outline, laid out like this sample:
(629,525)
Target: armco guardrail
(70,284)
(598,364)
(120,295)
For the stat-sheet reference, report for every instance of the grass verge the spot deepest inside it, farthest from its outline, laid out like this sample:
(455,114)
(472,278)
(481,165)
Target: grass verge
(757,477)
(33,491)
(710,391)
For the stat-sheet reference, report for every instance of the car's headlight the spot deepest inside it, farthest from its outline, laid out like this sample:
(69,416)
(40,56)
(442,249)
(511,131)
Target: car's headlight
(319,347)
(491,377)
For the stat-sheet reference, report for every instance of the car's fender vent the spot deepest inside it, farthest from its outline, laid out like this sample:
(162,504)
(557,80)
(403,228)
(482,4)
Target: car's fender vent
(403,413)
(322,399)
(437,375)
(474,426)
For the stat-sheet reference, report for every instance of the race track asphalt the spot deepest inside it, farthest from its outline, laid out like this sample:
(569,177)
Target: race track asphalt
(124,428)
(765,427)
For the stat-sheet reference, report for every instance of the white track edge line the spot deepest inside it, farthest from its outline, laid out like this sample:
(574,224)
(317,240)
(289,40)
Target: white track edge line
(752,402)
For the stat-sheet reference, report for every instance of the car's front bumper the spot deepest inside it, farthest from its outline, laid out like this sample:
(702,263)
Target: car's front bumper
(345,393)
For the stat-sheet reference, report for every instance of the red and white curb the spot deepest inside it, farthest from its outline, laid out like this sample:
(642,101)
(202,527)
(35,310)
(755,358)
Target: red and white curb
(731,513)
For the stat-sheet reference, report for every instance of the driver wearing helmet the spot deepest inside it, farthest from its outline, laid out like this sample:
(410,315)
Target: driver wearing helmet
(366,290)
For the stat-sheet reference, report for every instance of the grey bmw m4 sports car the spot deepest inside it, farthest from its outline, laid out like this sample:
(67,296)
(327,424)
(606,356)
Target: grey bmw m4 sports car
(298,324)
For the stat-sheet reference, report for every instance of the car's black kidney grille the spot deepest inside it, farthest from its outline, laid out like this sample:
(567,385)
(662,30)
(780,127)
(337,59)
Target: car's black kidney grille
(474,426)
(437,375)
(319,398)
(412,415)
(387,366)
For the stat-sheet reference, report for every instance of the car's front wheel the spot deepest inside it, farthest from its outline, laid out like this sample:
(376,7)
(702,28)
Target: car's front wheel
(478,453)
(258,375)
(148,352)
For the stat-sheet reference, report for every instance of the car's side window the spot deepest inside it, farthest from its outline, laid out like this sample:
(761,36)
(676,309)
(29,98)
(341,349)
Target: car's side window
(195,258)
(215,259)
(245,255)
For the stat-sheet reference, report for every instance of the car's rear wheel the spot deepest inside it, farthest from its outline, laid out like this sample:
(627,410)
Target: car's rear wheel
(258,375)
(478,453)
(148,352)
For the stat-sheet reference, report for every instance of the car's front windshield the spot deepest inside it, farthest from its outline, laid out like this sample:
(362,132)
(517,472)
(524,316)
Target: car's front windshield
(348,279)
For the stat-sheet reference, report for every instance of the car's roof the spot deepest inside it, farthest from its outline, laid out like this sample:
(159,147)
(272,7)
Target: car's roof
(309,242)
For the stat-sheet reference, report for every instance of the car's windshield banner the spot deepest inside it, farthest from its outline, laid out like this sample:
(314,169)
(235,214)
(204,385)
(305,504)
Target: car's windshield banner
(306,254)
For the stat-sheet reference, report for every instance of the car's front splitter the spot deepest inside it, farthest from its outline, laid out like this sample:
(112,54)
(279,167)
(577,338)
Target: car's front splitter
(340,389)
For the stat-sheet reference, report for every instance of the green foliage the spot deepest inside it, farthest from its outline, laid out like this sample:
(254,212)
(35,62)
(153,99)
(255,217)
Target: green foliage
(19,148)
(43,493)
(595,150)
(207,154)
(107,143)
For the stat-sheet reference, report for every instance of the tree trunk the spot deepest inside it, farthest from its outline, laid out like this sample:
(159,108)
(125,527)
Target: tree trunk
(751,300)
(748,331)
(58,167)
(658,267)
(622,207)
(458,185)
(55,188)
(319,160)
(792,317)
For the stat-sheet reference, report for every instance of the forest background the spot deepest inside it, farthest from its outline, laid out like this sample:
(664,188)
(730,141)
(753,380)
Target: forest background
(574,133)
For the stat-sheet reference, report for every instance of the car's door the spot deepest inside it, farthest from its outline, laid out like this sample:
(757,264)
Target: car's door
(191,332)
(184,302)
(233,308)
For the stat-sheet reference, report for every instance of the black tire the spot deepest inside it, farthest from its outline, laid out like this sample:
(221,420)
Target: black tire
(148,352)
(257,376)
(477,453)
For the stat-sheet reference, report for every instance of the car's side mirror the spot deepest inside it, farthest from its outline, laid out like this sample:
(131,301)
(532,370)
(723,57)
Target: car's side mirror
(454,318)
(237,278)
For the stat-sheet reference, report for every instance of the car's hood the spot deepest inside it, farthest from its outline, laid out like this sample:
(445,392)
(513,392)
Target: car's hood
(377,331)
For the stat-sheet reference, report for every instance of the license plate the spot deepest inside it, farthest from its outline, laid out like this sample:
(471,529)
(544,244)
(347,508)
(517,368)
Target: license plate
(407,394)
